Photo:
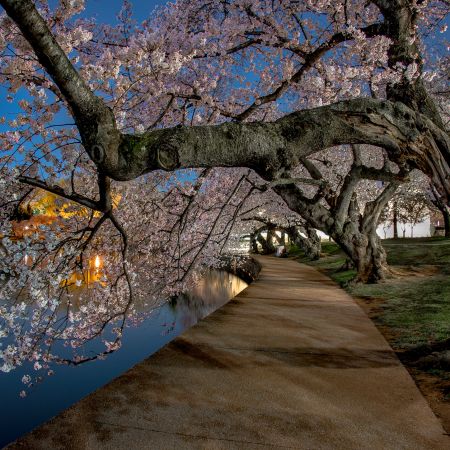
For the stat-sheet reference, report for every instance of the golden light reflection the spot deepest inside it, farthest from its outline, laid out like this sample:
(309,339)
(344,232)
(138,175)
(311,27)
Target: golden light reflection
(92,274)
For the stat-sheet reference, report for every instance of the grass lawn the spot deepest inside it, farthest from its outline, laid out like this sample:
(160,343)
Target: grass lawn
(411,309)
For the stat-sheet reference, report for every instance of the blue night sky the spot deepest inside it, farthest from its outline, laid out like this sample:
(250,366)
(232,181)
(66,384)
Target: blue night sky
(104,11)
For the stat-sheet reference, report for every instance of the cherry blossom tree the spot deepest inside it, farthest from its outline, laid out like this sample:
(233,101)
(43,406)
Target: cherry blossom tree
(412,203)
(225,90)
(86,276)
(291,227)
(350,194)
(267,221)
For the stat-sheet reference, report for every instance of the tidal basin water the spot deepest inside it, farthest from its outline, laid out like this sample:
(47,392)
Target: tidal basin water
(71,383)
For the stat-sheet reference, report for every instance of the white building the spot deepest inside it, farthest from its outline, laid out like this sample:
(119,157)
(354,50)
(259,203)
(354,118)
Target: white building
(421,229)
(407,230)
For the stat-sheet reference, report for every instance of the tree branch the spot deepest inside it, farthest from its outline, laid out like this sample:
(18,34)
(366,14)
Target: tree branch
(57,190)
(94,119)
(274,146)
(360,172)
(309,60)
(296,180)
(373,209)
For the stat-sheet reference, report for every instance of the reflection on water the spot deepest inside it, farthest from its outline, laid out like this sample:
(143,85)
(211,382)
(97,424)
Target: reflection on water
(205,298)
(70,383)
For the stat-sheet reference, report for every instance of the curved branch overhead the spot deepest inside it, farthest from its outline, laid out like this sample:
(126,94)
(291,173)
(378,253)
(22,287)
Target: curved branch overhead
(407,127)
(272,147)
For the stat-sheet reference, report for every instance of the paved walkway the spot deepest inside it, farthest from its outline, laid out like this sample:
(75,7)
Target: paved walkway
(291,363)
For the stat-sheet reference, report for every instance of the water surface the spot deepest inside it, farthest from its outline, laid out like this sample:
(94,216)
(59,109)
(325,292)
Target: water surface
(71,383)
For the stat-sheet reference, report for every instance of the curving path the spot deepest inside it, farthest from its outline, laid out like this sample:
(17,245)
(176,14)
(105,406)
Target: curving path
(290,363)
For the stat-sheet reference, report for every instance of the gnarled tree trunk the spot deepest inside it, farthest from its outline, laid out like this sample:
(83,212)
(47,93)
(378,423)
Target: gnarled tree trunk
(353,231)
(440,204)
(270,238)
(253,244)
(314,243)
(310,243)
(367,254)
(266,244)
(446,214)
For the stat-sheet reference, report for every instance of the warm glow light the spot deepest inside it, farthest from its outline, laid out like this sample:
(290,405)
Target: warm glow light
(97,262)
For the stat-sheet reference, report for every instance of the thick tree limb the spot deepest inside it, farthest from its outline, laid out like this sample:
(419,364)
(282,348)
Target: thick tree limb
(317,215)
(268,148)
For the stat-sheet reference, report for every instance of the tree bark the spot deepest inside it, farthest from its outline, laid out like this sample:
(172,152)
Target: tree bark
(310,244)
(316,243)
(395,220)
(446,215)
(444,210)
(253,244)
(367,255)
(359,239)
(266,244)
(355,233)
(440,204)
(270,238)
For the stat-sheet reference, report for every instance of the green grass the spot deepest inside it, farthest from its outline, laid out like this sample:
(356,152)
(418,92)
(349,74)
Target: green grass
(295,251)
(417,310)
(415,306)
(434,251)
(331,261)
(332,256)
